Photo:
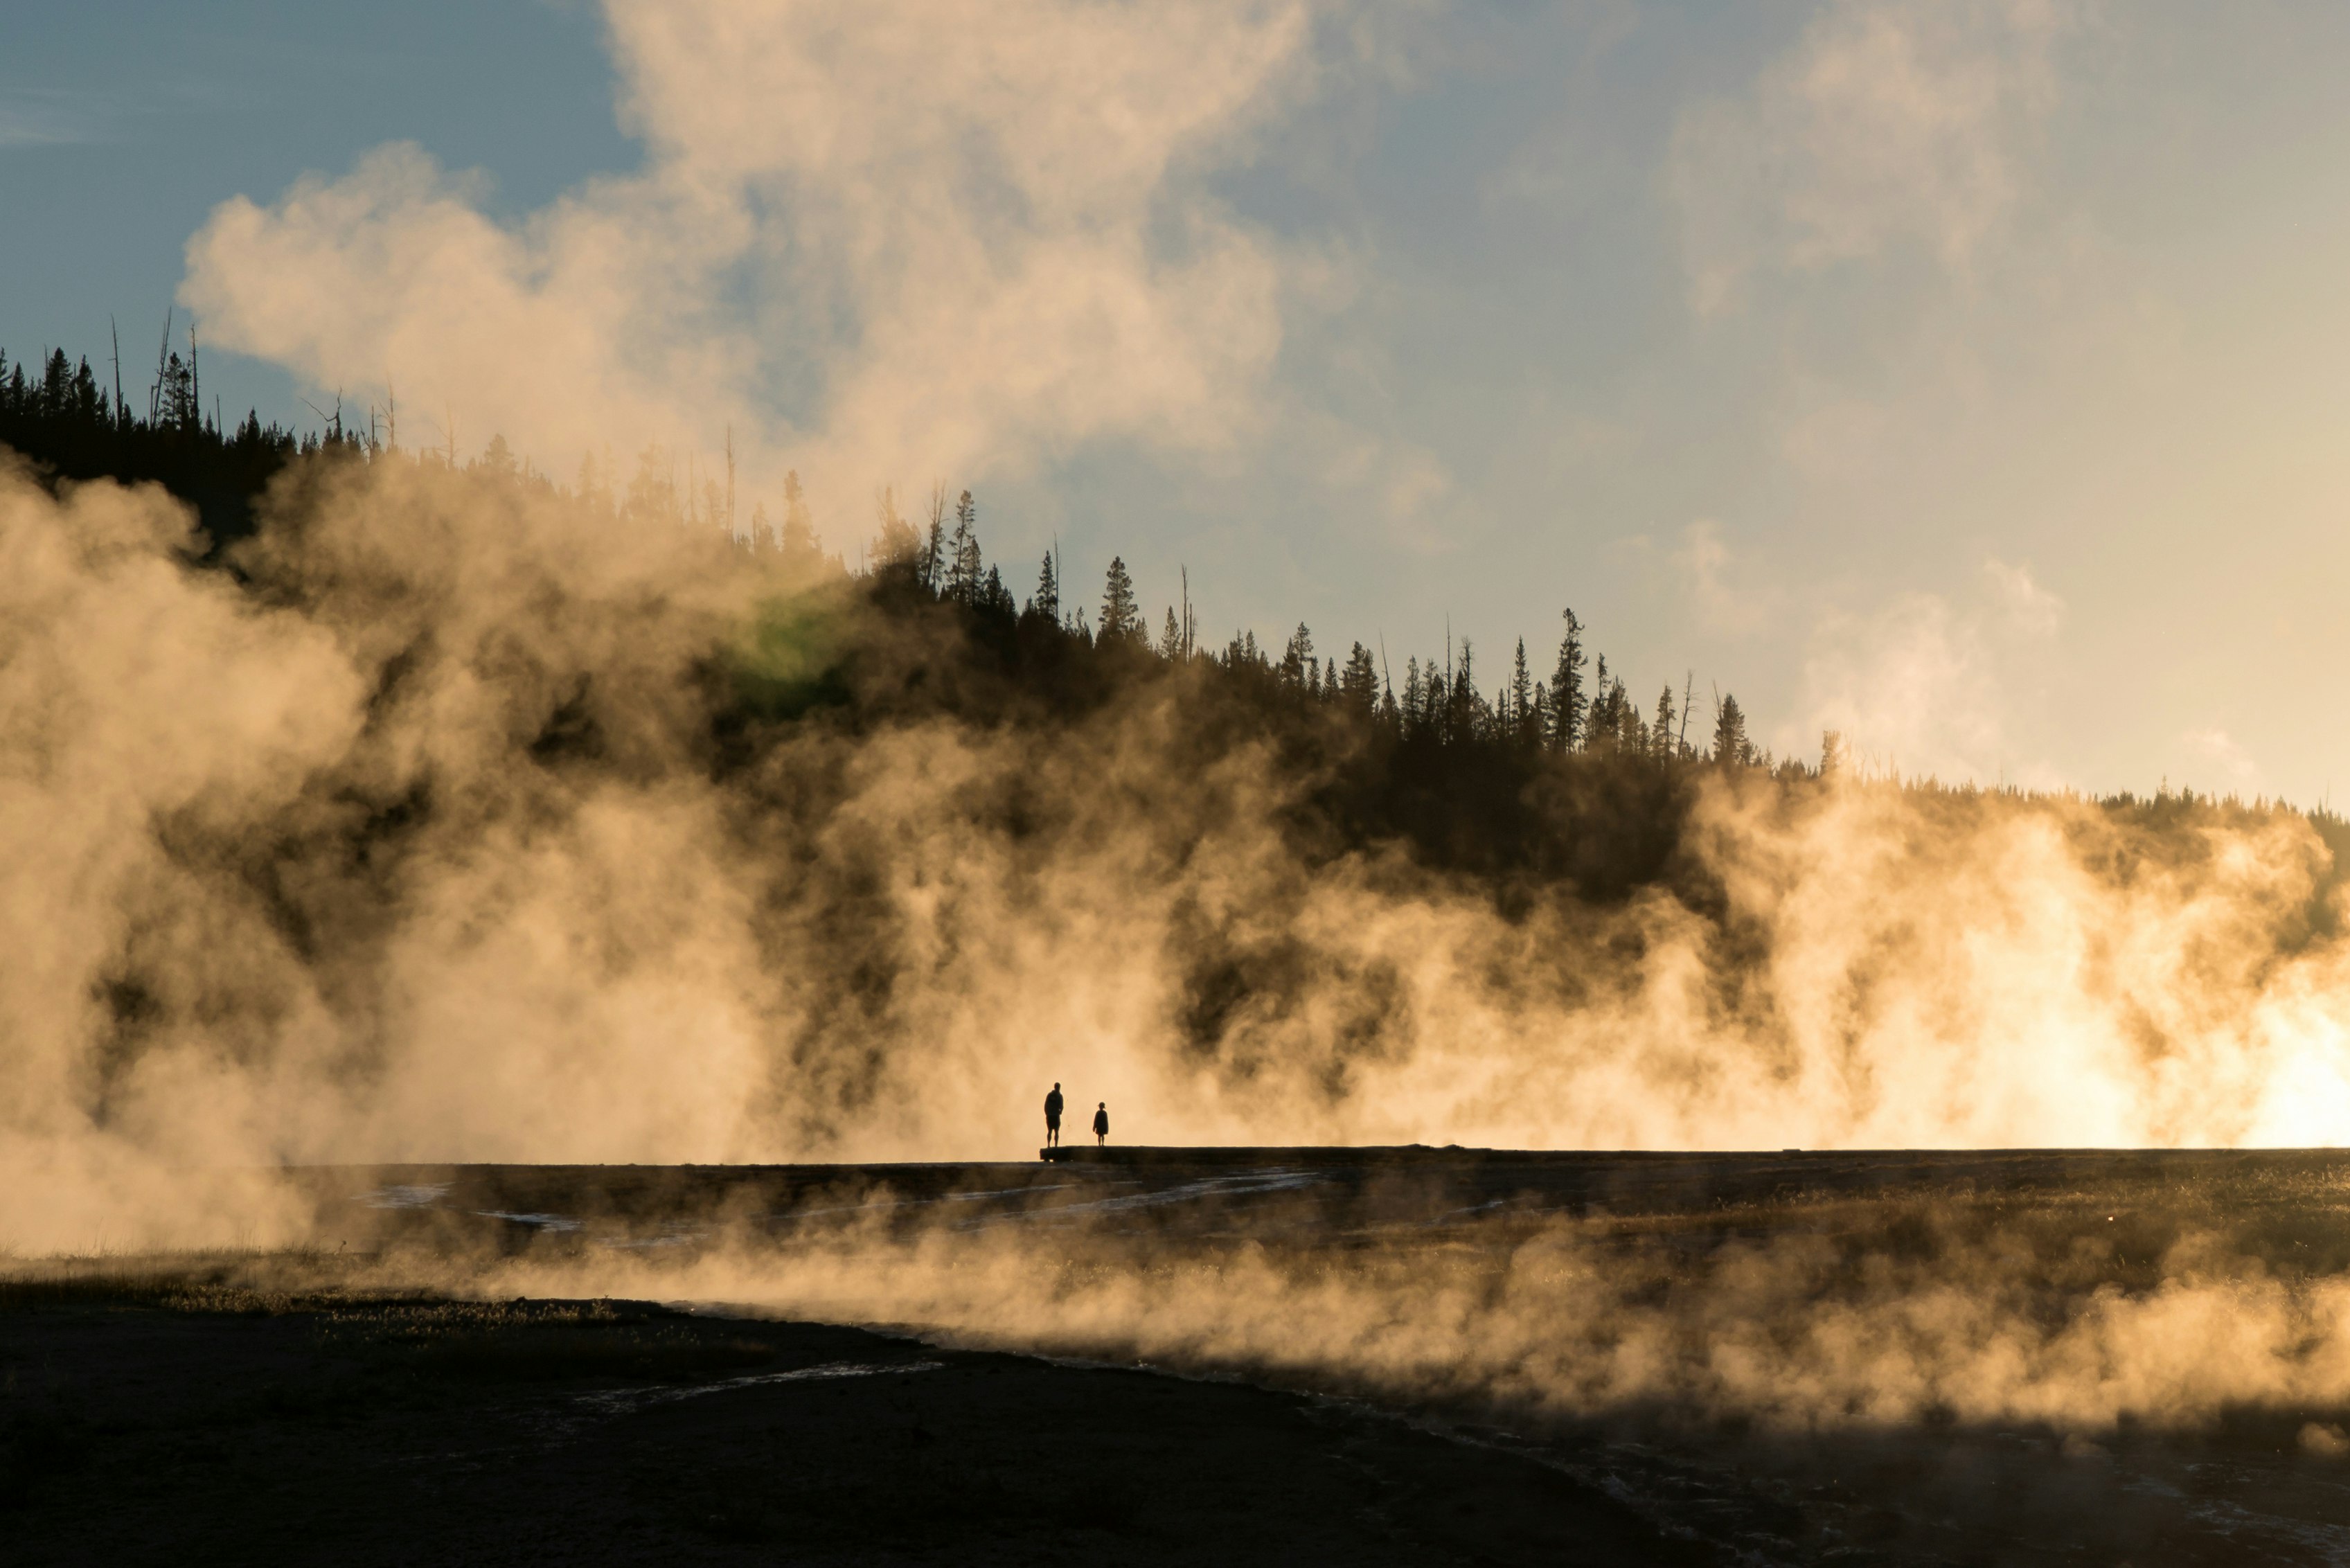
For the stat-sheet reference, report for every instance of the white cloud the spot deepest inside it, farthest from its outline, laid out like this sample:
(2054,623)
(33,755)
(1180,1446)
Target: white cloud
(1891,122)
(970,237)
(2030,609)
(2216,748)
(1704,564)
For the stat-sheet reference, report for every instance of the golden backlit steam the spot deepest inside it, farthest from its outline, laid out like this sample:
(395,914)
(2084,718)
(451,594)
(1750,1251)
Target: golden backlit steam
(413,841)
(307,870)
(973,237)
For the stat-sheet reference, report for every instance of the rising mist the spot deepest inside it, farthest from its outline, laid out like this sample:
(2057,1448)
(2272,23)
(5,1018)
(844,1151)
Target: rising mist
(462,819)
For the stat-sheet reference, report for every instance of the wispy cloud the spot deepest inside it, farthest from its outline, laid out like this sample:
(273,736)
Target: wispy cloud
(1724,605)
(39,118)
(2215,748)
(2031,609)
(1892,122)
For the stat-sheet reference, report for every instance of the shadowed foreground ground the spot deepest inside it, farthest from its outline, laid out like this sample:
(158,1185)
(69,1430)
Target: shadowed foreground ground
(166,1426)
(301,1408)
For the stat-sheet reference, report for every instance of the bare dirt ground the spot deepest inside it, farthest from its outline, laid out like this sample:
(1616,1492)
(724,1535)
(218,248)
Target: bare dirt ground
(316,1410)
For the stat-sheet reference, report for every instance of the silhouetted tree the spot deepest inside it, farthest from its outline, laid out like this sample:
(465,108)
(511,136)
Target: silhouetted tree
(965,562)
(1601,721)
(1566,705)
(993,600)
(933,558)
(1525,717)
(176,403)
(1121,621)
(896,546)
(1358,683)
(1661,734)
(1729,743)
(1465,709)
(1297,659)
(1046,603)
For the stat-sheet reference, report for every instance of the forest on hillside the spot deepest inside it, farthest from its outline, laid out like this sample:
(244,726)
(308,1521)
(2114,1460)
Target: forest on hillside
(1557,770)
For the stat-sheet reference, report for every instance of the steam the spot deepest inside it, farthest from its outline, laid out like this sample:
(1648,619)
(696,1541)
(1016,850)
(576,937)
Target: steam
(1799,1334)
(971,239)
(419,838)
(419,845)
(1875,1315)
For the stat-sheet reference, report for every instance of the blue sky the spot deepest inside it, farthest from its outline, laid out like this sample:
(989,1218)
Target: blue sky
(122,123)
(1966,376)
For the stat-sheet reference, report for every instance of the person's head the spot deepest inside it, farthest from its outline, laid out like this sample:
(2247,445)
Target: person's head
(1057,1086)
(1102,1105)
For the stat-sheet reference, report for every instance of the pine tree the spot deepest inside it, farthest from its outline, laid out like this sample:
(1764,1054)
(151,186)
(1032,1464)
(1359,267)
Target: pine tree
(932,562)
(1170,639)
(802,550)
(652,498)
(1461,707)
(964,564)
(1566,706)
(1522,700)
(87,404)
(1661,734)
(1832,758)
(588,487)
(1046,603)
(1298,658)
(1600,721)
(1729,743)
(1359,683)
(897,545)
(56,385)
(1121,621)
(176,400)
(993,598)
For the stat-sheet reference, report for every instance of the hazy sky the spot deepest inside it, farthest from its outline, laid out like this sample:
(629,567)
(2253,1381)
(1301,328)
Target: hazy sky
(1970,376)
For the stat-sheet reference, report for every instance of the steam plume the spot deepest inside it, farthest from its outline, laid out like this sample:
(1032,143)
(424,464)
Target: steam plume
(423,844)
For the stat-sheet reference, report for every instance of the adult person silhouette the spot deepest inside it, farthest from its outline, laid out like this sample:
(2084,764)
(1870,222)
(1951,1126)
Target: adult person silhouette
(1052,1117)
(1101,1124)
